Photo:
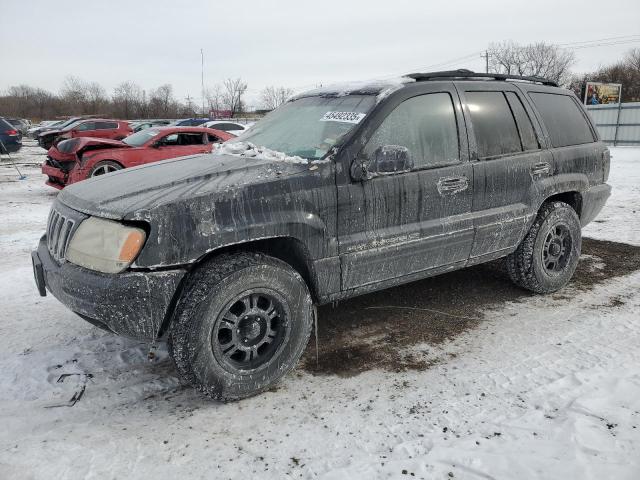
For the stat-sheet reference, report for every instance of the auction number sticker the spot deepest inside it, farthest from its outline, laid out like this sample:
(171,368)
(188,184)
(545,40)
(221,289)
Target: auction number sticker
(345,117)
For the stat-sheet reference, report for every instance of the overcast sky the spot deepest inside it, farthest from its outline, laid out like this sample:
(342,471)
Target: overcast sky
(293,43)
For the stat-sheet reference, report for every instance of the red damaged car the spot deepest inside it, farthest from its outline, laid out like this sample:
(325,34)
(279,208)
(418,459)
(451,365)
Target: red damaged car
(77,159)
(88,127)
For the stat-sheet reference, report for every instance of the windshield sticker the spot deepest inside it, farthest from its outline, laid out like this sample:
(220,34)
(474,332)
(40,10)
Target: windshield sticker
(345,117)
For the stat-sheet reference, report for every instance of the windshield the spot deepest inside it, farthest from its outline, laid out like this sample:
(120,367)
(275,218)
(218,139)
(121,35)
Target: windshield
(67,123)
(310,126)
(140,138)
(71,126)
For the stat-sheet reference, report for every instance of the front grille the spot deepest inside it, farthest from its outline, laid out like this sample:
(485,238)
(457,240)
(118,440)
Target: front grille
(59,230)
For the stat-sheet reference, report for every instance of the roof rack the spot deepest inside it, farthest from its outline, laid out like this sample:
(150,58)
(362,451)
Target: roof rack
(464,73)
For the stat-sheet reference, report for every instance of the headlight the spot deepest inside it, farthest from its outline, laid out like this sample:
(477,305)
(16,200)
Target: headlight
(105,245)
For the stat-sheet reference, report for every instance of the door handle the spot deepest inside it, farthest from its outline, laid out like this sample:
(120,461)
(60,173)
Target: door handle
(452,185)
(542,168)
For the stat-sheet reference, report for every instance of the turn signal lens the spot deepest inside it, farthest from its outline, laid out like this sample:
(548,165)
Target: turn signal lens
(131,246)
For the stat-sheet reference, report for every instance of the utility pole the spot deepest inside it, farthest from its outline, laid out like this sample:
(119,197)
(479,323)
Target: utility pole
(202,65)
(189,103)
(486,60)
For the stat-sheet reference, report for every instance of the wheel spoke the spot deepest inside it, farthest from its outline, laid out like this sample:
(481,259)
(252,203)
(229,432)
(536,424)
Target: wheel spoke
(230,318)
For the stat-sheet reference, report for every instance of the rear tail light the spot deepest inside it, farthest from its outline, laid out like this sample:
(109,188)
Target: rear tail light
(12,132)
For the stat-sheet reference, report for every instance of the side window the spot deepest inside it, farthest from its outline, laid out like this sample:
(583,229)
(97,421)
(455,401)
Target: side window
(525,127)
(227,126)
(190,139)
(563,119)
(170,140)
(83,127)
(493,124)
(213,138)
(106,125)
(426,125)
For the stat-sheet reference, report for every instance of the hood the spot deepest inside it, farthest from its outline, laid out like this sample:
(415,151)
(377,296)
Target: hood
(79,145)
(51,132)
(126,193)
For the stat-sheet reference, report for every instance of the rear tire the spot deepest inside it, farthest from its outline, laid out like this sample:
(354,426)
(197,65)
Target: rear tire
(242,323)
(548,256)
(104,167)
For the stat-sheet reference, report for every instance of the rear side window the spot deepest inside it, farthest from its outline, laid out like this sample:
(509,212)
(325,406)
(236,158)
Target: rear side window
(190,139)
(213,138)
(106,125)
(527,134)
(563,119)
(4,125)
(493,124)
(83,127)
(426,125)
(226,126)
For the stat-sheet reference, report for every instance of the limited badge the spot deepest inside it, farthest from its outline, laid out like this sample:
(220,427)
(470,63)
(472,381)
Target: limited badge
(345,117)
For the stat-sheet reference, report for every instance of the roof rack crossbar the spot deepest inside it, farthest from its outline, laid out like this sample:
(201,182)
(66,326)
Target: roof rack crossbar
(464,73)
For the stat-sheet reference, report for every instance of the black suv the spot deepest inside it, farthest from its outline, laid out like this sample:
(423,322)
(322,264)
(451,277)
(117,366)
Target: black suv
(339,192)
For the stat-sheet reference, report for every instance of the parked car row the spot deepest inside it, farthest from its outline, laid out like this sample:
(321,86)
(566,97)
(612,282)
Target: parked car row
(92,127)
(78,158)
(10,137)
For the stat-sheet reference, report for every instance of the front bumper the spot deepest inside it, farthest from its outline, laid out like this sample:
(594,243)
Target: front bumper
(592,202)
(56,177)
(131,304)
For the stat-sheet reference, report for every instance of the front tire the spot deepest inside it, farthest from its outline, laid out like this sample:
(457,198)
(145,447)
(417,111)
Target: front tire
(104,167)
(242,323)
(548,256)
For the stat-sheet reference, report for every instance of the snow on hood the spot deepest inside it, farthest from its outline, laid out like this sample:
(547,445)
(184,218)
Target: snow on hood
(249,150)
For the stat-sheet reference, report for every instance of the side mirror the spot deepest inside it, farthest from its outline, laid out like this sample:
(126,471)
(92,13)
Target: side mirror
(386,160)
(157,144)
(392,159)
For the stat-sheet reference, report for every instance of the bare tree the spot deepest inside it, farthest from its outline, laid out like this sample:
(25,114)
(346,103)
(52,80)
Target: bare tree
(232,94)
(127,99)
(536,60)
(632,58)
(96,97)
(162,103)
(74,95)
(215,97)
(273,97)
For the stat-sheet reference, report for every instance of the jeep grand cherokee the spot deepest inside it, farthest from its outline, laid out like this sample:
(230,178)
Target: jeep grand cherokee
(341,191)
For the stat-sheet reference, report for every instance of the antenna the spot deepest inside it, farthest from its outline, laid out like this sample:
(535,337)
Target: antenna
(202,65)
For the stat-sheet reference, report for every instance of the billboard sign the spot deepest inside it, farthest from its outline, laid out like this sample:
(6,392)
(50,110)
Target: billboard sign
(596,93)
(220,114)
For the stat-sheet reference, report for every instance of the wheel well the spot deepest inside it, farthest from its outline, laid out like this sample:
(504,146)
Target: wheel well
(574,199)
(287,249)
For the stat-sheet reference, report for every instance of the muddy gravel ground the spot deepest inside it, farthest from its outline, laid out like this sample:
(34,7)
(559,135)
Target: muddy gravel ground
(374,330)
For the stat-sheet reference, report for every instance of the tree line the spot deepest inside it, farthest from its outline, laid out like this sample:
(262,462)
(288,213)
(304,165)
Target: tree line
(555,63)
(128,100)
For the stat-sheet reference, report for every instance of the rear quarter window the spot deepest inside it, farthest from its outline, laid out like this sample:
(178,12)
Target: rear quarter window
(563,118)
(106,125)
(493,124)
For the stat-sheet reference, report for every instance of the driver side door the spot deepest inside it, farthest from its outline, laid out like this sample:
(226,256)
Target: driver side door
(408,224)
(176,145)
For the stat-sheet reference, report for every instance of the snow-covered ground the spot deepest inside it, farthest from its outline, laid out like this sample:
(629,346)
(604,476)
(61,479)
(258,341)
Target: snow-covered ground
(534,387)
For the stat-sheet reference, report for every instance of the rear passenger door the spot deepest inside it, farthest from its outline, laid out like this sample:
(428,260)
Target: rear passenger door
(106,130)
(399,225)
(572,140)
(510,165)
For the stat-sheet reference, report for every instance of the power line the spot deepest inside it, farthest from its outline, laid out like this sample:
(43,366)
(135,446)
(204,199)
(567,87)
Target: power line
(605,44)
(600,40)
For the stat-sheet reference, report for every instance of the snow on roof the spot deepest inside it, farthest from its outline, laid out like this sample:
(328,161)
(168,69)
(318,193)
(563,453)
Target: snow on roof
(380,87)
